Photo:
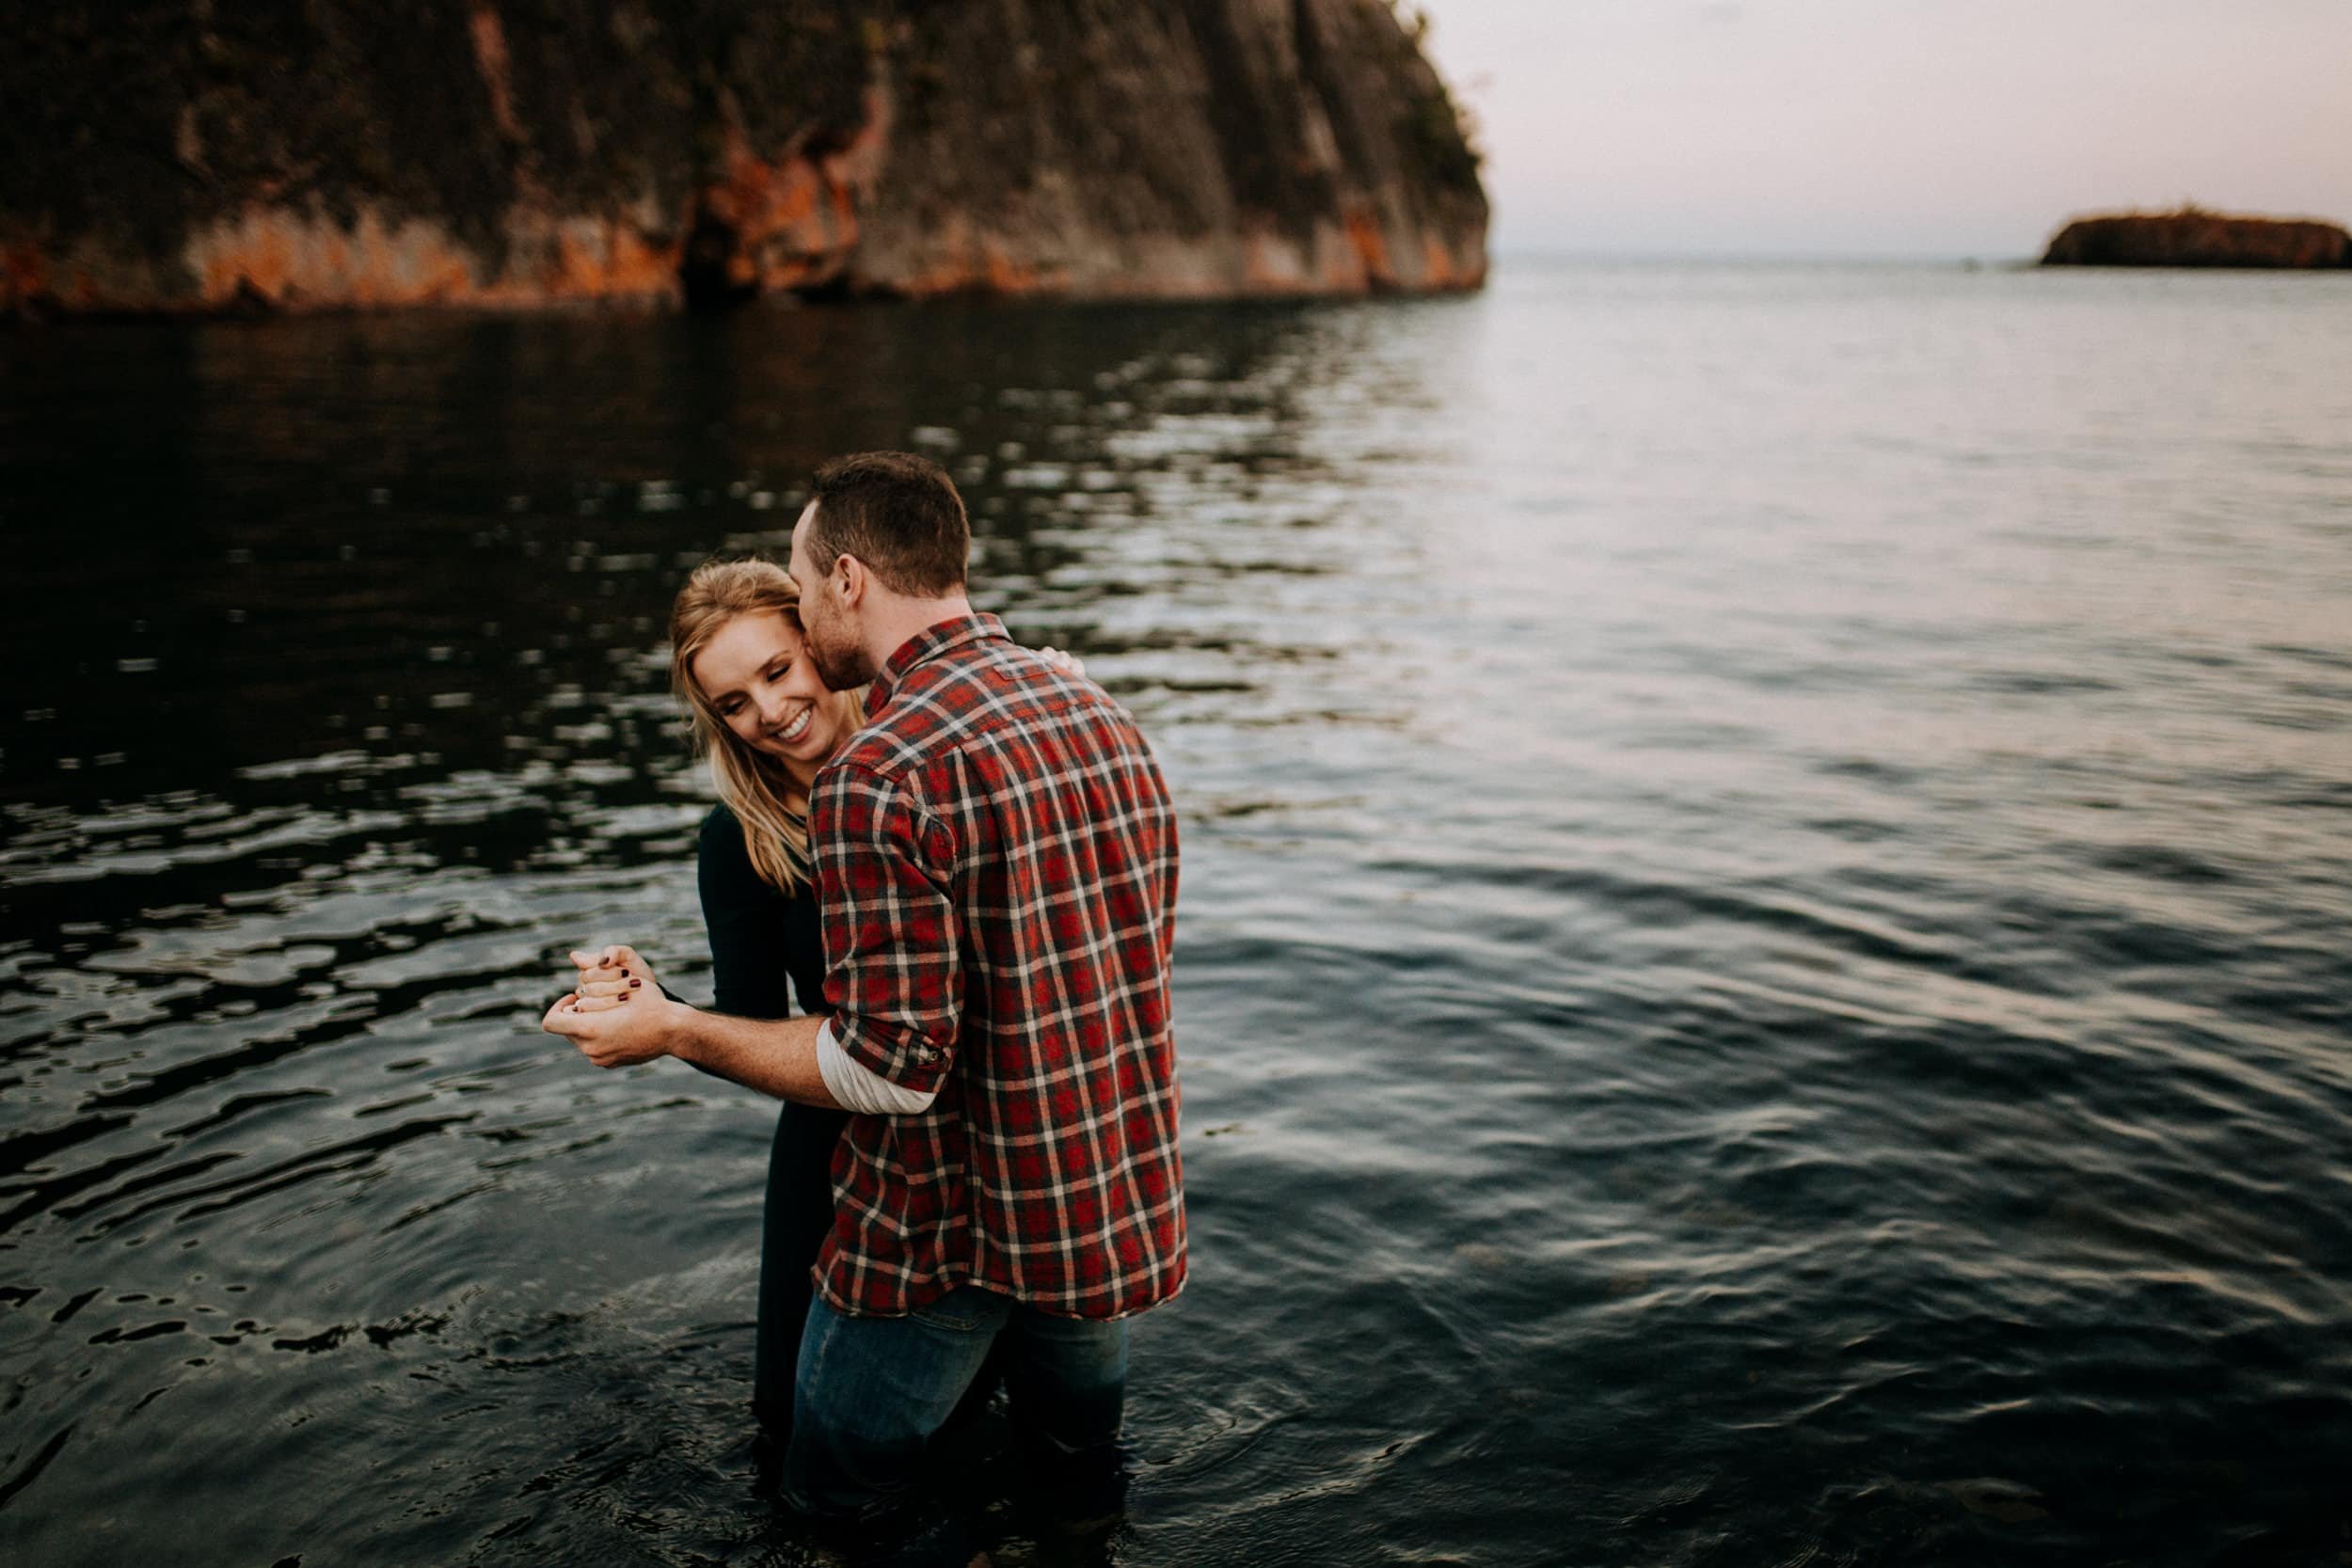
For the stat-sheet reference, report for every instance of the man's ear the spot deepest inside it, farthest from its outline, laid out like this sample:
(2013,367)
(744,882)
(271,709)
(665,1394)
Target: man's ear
(851,578)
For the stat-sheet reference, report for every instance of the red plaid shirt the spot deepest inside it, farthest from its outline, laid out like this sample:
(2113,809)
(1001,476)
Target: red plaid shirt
(997,866)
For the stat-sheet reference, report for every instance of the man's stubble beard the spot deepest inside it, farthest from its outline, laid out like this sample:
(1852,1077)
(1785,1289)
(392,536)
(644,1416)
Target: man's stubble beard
(842,666)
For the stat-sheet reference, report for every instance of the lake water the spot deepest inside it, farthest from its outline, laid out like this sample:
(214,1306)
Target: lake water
(1765,964)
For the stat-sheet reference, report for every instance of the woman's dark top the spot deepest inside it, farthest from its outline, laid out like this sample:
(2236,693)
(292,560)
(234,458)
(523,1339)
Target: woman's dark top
(765,946)
(764,949)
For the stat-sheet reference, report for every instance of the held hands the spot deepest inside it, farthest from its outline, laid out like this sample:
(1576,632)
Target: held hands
(1069,664)
(609,977)
(615,1012)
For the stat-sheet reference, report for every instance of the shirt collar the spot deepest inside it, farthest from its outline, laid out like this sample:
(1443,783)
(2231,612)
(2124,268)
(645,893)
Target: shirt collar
(928,644)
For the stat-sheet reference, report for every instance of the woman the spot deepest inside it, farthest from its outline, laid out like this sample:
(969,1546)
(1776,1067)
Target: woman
(766,723)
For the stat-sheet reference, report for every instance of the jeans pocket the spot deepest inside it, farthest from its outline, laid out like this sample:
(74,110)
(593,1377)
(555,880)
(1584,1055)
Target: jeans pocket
(967,1309)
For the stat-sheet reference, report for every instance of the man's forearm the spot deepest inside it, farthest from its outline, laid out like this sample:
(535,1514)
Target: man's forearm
(776,1057)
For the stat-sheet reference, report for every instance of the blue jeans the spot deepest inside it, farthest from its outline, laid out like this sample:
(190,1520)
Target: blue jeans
(871,1393)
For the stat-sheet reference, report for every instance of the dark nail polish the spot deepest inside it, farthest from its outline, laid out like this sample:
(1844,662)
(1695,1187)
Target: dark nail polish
(634,984)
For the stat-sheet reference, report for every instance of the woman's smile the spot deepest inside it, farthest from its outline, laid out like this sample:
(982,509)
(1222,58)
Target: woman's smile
(794,728)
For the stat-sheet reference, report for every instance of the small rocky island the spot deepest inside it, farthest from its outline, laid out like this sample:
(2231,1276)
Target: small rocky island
(2193,237)
(179,156)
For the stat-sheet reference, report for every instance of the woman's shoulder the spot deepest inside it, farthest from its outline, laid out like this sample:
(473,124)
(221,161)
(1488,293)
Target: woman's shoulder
(720,827)
(725,859)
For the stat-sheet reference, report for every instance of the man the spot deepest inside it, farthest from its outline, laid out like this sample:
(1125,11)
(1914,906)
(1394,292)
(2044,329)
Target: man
(995,862)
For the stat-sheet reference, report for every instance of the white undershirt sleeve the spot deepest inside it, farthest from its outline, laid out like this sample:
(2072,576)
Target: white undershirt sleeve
(860,1088)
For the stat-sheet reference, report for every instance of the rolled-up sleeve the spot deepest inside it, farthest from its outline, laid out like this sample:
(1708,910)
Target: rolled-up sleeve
(884,873)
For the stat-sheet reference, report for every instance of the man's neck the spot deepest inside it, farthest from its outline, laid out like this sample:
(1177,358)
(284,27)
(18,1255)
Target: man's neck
(891,625)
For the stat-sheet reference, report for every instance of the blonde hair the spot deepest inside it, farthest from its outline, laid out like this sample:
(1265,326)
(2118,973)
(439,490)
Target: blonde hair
(755,786)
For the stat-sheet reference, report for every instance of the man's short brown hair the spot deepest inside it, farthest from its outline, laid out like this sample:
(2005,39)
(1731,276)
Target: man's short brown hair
(899,514)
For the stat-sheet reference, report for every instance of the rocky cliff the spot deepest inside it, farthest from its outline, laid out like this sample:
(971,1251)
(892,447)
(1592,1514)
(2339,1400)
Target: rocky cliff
(2193,237)
(195,155)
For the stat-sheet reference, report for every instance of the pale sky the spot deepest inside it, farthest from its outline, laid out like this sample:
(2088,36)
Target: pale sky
(1891,127)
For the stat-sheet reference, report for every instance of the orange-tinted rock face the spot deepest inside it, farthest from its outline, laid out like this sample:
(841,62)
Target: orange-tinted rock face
(490,57)
(297,262)
(794,220)
(491,157)
(1372,248)
(24,274)
(2195,238)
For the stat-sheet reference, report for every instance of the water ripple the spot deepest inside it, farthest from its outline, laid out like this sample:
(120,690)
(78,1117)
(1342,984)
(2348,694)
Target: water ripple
(1759,976)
